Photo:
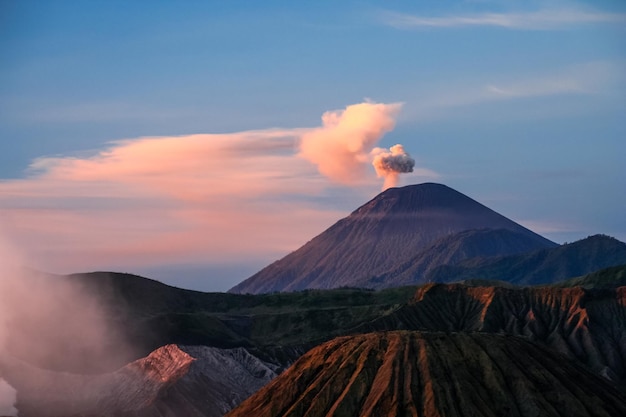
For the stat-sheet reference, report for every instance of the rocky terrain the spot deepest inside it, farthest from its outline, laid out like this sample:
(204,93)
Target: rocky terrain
(391,374)
(588,325)
(172,381)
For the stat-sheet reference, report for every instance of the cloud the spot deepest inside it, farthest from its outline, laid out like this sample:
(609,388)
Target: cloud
(552,227)
(583,79)
(341,147)
(390,163)
(536,20)
(587,78)
(207,198)
(153,199)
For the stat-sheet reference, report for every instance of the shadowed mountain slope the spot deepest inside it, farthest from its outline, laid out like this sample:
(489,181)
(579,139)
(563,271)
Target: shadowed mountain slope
(452,249)
(433,375)
(541,266)
(384,234)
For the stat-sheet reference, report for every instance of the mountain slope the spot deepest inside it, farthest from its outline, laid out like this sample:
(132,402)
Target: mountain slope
(379,236)
(541,266)
(433,375)
(452,249)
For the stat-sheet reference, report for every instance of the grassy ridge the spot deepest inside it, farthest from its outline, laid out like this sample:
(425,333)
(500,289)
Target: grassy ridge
(605,278)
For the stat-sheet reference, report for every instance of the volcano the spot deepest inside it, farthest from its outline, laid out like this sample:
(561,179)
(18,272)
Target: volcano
(427,225)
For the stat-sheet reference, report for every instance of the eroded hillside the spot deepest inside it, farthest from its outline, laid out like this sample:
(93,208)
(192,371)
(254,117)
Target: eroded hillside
(392,374)
(586,324)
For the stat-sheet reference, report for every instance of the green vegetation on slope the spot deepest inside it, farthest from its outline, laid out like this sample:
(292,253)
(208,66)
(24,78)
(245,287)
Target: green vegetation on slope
(154,314)
(605,278)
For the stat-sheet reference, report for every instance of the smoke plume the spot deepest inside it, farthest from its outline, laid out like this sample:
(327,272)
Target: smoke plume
(8,395)
(341,147)
(390,163)
(49,322)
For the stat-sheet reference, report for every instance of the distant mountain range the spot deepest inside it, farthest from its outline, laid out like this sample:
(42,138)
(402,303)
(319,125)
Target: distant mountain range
(429,233)
(539,266)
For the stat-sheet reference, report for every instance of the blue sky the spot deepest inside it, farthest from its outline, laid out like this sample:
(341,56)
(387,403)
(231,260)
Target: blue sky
(520,105)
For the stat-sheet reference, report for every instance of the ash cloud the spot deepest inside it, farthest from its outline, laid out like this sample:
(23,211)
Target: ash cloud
(389,163)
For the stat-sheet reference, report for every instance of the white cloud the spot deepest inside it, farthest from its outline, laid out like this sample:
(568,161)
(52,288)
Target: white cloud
(536,20)
(591,78)
(545,227)
(586,78)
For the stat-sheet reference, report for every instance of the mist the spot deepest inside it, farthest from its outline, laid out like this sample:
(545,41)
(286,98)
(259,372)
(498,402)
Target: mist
(8,396)
(51,323)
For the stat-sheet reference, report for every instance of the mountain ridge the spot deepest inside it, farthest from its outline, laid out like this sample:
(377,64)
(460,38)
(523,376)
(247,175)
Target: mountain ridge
(540,266)
(453,249)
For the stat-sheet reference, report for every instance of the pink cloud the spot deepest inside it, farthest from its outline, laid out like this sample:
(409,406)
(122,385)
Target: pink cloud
(159,199)
(198,198)
(340,148)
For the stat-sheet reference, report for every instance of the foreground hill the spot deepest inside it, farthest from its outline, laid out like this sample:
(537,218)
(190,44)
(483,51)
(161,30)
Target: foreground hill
(541,266)
(390,231)
(434,375)
(588,325)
